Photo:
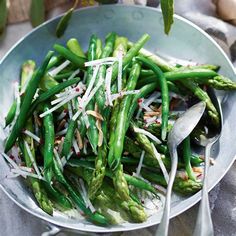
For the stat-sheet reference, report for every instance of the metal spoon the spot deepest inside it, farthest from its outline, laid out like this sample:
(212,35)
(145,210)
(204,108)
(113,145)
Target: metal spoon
(181,130)
(204,226)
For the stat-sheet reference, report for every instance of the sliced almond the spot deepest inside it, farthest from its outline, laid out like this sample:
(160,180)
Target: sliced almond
(95,114)
(79,139)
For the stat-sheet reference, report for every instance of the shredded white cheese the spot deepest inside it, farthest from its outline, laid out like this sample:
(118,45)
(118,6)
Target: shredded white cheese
(58,69)
(101,61)
(86,198)
(59,105)
(62,132)
(58,158)
(17,97)
(140,164)
(108,86)
(162,166)
(33,136)
(91,95)
(76,147)
(148,134)
(32,160)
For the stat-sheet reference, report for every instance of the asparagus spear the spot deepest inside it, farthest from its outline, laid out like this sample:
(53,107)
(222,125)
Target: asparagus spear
(184,187)
(122,118)
(108,204)
(120,45)
(99,48)
(156,59)
(27,71)
(121,198)
(133,51)
(101,160)
(130,210)
(154,128)
(202,95)
(75,47)
(84,168)
(149,158)
(36,185)
(218,82)
(95,217)
(106,52)
(134,150)
(29,94)
(190,85)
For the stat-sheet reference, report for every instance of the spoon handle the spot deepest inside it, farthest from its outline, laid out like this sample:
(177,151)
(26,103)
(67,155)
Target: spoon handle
(164,225)
(204,226)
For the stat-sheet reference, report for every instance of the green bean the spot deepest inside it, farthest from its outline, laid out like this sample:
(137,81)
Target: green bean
(37,12)
(59,199)
(36,185)
(51,92)
(164,94)
(92,131)
(120,46)
(49,137)
(3,15)
(122,118)
(195,89)
(11,114)
(94,217)
(106,52)
(75,47)
(187,159)
(147,73)
(101,160)
(29,94)
(64,21)
(93,138)
(171,86)
(185,74)
(144,91)
(189,73)
(62,76)
(73,58)
(133,51)
(67,144)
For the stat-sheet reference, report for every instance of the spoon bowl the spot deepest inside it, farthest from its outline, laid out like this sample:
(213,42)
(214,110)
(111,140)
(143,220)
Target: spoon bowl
(181,130)
(204,226)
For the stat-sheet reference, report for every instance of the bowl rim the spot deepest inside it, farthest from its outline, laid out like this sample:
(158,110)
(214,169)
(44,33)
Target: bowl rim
(195,198)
